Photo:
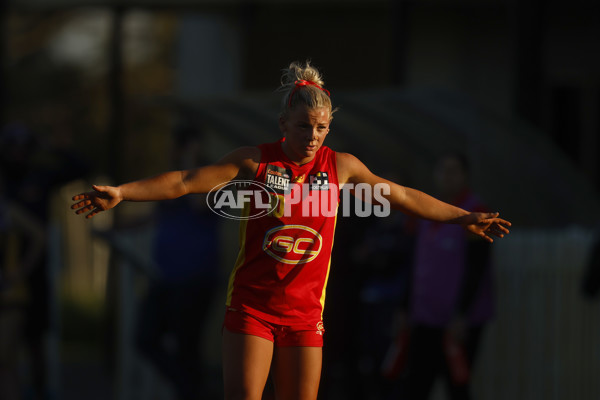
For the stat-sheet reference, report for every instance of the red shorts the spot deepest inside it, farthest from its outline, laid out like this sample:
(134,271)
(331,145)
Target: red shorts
(281,335)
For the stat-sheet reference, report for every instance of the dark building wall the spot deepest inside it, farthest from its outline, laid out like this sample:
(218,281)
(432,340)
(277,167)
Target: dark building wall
(353,46)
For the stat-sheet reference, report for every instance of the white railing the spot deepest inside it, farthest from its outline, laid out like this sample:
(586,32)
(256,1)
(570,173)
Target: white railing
(545,340)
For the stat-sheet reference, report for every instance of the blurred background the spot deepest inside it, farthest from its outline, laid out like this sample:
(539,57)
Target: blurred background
(103,92)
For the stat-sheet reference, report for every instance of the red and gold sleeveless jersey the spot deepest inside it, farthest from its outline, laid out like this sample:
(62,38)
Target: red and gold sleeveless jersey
(283,263)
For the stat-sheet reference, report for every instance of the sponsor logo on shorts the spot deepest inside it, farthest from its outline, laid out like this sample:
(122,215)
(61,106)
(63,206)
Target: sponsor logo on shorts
(293,244)
(320,328)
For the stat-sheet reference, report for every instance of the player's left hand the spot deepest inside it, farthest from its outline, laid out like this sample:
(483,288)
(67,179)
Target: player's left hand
(485,225)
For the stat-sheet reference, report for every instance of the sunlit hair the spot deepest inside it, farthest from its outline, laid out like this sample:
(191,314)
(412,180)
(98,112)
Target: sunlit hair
(309,95)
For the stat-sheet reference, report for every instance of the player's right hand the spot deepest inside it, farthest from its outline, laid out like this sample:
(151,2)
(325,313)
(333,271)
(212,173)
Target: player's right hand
(102,198)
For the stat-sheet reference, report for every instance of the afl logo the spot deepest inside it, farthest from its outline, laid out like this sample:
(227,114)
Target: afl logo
(293,244)
(241,200)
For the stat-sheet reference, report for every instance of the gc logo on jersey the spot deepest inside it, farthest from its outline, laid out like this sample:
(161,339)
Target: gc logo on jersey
(293,244)
(319,181)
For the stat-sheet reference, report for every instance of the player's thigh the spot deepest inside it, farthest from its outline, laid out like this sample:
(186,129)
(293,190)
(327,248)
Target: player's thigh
(297,372)
(246,364)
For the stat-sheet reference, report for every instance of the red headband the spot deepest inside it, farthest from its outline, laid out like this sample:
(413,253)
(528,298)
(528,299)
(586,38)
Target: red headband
(301,83)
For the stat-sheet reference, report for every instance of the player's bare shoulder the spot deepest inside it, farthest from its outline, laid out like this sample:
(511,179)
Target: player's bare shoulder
(348,166)
(246,158)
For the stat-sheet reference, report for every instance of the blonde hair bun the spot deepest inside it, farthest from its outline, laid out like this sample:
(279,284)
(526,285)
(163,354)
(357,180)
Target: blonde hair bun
(312,96)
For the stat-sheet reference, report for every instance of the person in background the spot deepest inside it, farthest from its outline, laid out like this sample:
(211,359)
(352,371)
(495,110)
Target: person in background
(35,161)
(174,309)
(450,296)
(22,245)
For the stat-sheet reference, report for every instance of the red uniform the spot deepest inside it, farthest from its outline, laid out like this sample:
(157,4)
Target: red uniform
(283,263)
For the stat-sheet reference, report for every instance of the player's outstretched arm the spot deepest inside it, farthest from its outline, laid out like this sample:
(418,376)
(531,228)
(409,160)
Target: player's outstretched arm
(241,163)
(422,205)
